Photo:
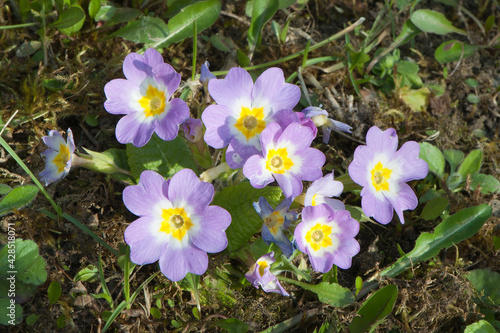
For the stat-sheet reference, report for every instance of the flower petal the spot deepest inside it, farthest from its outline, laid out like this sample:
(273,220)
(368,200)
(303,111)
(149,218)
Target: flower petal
(168,126)
(404,200)
(186,189)
(270,86)
(378,208)
(254,169)
(144,247)
(218,133)
(151,189)
(233,90)
(131,130)
(212,237)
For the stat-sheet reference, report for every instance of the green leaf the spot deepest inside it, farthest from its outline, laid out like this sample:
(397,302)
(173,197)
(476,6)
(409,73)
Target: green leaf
(164,157)
(481,326)
(417,99)
(486,284)
(330,293)
(454,158)
(89,273)
(113,15)
(233,325)
(375,309)
(28,264)
(222,43)
(94,7)
(155,313)
(70,20)
(238,201)
(4,189)
(263,11)
(451,50)
(434,208)
(11,313)
(430,21)
(496,241)
(146,29)
(31,319)
(54,84)
(17,198)
(471,164)
(487,183)
(462,225)
(474,99)
(109,161)
(434,158)
(407,68)
(54,292)
(180,26)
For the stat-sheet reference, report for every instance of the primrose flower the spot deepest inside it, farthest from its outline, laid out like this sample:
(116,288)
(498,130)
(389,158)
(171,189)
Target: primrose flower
(383,171)
(244,109)
(260,275)
(275,222)
(59,156)
(206,75)
(192,129)
(144,99)
(321,119)
(176,225)
(322,190)
(327,236)
(286,157)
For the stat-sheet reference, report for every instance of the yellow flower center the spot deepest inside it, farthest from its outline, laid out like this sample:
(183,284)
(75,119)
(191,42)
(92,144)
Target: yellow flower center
(278,161)
(175,222)
(62,158)
(380,176)
(251,122)
(313,200)
(319,236)
(274,222)
(262,266)
(154,102)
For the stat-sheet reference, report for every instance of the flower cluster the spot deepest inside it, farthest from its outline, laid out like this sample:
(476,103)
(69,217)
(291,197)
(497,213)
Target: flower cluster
(270,142)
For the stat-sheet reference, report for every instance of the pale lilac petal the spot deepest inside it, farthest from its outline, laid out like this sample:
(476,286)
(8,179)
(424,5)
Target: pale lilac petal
(321,263)
(212,237)
(237,153)
(54,140)
(144,248)
(271,86)
(404,200)
(412,166)
(285,117)
(343,259)
(185,187)
(290,185)
(299,137)
(334,203)
(153,57)
(140,198)
(176,263)
(312,213)
(218,134)
(380,209)
(237,85)
(131,130)
(118,96)
(358,169)
(168,127)
(263,208)
(312,159)
(206,75)
(166,74)
(135,68)
(269,135)
(349,226)
(254,169)
(382,142)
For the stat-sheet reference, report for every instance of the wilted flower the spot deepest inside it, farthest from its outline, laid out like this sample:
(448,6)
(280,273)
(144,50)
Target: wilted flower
(144,97)
(322,190)
(260,275)
(59,156)
(244,109)
(176,225)
(321,119)
(206,75)
(193,129)
(383,171)
(286,157)
(327,236)
(275,222)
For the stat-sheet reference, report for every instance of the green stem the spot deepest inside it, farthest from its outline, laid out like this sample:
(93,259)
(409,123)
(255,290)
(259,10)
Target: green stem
(195,49)
(126,278)
(15,26)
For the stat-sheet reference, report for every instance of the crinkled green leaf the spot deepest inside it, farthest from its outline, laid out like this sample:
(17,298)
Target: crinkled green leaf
(486,284)
(164,157)
(238,201)
(487,183)
(431,21)
(17,198)
(181,26)
(471,164)
(481,326)
(28,264)
(457,227)
(374,310)
(434,158)
(89,273)
(330,293)
(453,157)
(233,325)
(70,21)
(263,11)
(434,208)
(146,29)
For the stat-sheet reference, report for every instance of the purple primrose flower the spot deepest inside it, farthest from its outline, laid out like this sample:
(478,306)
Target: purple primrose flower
(321,119)
(286,157)
(206,75)
(260,275)
(176,225)
(193,129)
(244,109)
(145,99)
(58,157)
(327,236)
(275,222)
(322,190)
(383,171)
